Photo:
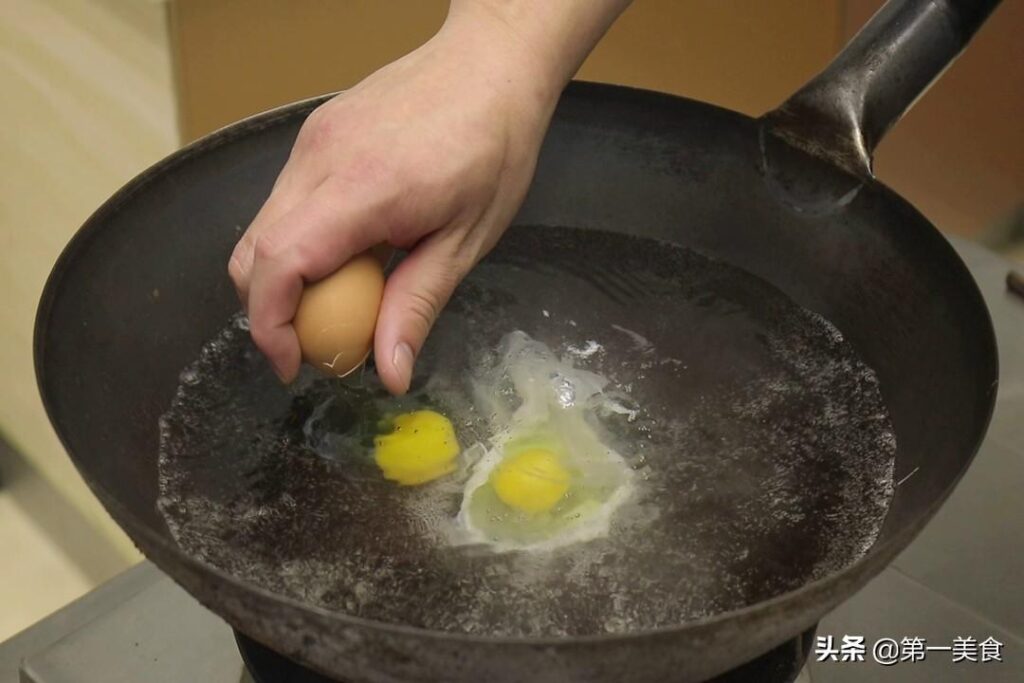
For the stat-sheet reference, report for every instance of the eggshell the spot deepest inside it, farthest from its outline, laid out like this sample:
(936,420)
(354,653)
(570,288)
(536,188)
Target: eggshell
(337,316)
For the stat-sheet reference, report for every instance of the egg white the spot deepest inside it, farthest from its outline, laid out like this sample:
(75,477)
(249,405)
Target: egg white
(554,398)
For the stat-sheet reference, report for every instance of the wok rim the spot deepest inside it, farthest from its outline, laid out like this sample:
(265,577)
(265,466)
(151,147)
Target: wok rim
(858,570)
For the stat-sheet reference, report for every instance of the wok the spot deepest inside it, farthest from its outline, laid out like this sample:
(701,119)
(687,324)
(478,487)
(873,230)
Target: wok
(789,198)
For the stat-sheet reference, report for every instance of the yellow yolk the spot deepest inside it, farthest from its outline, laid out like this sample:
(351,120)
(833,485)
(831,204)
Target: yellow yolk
(532,481)
(421,448)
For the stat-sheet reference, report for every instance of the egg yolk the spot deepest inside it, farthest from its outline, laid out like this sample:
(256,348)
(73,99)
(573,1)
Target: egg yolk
(532,481)
(421,448)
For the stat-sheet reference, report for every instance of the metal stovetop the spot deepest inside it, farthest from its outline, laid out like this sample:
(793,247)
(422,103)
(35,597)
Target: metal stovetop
(961,578)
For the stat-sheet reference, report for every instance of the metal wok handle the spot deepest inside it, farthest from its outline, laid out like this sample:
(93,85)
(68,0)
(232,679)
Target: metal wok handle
(845,111)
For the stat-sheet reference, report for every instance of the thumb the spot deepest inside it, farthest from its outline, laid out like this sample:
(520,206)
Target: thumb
(414,295)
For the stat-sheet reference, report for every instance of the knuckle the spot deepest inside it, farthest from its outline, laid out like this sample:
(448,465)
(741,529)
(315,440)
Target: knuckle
(462,262)
(463,249)
(235,270)
(315,117)
(425,303)
(267,247)
(315,131)
(289,256)
(371,171)
(424,308)
(262,336)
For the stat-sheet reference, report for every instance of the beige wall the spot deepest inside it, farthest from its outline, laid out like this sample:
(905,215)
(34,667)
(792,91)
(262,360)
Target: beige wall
(87,104)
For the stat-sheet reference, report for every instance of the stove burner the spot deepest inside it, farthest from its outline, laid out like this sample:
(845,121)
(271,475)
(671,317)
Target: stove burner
(781,665)
(267,666)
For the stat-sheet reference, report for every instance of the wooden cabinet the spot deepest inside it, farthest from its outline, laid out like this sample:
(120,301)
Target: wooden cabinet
(236,57)
(958,156)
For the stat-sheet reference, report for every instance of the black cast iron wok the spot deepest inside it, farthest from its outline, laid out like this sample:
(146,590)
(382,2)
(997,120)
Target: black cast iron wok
(788,197)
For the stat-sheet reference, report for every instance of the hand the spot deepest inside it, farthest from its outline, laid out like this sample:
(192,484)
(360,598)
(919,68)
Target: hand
(433,153)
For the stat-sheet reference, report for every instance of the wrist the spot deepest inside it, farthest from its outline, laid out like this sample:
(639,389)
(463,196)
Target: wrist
(513,56)
(555,34)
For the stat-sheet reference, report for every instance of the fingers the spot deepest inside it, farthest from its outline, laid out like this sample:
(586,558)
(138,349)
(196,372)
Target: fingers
(240,263)
(276,289)
(414,295)
(308,243)
(289,188)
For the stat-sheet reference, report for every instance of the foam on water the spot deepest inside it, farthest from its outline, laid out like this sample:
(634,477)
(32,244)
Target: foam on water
(761,449)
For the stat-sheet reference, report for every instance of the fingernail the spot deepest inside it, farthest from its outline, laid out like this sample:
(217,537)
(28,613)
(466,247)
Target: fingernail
(402,360)
(279,373)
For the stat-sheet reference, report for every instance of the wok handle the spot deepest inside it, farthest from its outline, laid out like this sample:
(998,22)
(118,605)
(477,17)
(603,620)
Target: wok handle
(845,111)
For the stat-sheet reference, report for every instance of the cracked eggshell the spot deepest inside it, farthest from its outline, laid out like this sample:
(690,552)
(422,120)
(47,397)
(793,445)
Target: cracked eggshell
(337,316)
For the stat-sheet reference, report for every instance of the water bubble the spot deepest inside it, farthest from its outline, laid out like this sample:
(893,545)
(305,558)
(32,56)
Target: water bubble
(189,376)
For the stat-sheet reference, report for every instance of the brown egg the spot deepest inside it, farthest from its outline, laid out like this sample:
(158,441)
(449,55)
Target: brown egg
(337,316)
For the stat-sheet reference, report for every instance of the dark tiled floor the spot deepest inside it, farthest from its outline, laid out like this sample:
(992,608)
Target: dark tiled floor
(971,551)
(1007,311)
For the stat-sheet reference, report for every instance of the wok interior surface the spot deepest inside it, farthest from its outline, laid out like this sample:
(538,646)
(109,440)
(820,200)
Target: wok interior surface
(142,288)
(762,452)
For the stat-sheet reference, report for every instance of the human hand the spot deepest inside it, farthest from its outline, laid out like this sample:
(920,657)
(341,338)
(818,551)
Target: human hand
(433,153)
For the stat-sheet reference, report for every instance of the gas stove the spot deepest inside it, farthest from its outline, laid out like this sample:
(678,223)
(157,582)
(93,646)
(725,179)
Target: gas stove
(950,608)
(784,664)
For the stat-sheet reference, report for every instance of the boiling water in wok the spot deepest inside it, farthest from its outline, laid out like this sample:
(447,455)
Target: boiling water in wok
(762,448)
